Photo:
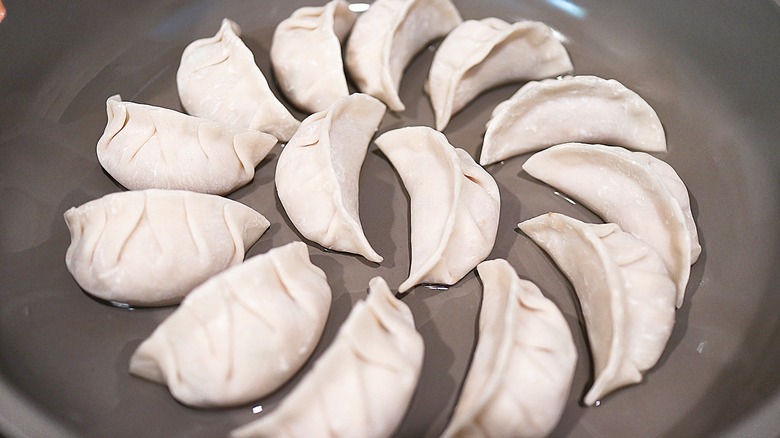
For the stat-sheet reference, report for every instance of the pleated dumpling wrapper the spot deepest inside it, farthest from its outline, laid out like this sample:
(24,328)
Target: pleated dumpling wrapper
(455,204)
(219,80)
(306,55)
(583,109)
(640,193)
(482,54)
(521,373)
(242,334)
(152,247)
(362,384)
(148,147)
(387,36)
(626,295)
(318,174)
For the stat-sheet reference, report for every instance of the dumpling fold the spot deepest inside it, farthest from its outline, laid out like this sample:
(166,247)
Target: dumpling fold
(387,36)
(219,80)
(481,54)
(584,109)
(318,174)
(625,292)
(638,192)
(147,147)
(152,247)
(455,204)
(523,365)
(242,334)
(306,55)
(362,384)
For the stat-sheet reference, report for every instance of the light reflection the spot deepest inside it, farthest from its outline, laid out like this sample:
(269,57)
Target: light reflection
(569,7)
(559,36)
(359,7)
(566,198)
(257,409)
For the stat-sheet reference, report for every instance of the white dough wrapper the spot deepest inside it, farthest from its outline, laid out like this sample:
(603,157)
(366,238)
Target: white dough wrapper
(219,80)
(482,54)
(318,174)
(455,204)
(362,384)
(641,194)
(242,334)
(625,292)
(152,247)
(523,365)
(148,147)
(306,55)
(584,109)
(387,36)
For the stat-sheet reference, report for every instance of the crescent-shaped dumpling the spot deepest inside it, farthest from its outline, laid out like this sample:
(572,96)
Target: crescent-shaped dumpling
(362,384)
(318,173)
(627,188)
(625,292)
(455,204)
(147,147)
(219,80)
(306,55)
(242,334)
(523,365)
(386,37)
(152,247)
(585,109)
(481,54)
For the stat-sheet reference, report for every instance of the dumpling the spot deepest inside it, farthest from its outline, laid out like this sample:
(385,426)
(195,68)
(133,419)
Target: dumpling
(318,173)
(585,109)
(638,192)
(523,366)
(219,80)
(626,295)
(481,54)
(362,385)
(242,334)
(306,55)
(151,247)
(455,204)
(145,147)
(386,37)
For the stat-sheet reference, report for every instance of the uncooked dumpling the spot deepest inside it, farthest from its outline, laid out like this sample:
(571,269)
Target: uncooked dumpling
(628,189)
(585,109)
(626,295)
(219,80)
(385,38)
(523,365)
(482,54)
(362,384)
(152,247)
(306,55)
(242,334)
(455,204)
(145,147)
(318,174)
